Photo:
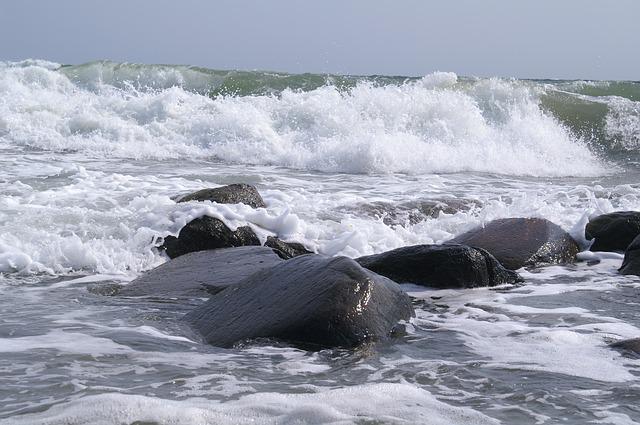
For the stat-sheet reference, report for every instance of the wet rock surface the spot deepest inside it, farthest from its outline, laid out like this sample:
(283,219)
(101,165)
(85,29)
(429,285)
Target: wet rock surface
(631,345)
(200,274)
(207,233)
(286,250)
(440,266)
(520,242)
(310,300)
(230,194)
(631,262)
(613,232)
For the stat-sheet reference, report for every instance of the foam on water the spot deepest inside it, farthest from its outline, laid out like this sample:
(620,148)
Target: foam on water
(488,322)
(424,126)
(67,342)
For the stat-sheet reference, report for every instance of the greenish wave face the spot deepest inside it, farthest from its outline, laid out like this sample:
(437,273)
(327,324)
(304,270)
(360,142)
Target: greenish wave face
(604,113)
(212,82)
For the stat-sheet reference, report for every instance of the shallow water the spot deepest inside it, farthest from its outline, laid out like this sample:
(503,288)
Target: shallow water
(90,168)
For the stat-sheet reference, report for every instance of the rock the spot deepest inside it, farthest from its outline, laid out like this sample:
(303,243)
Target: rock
(614,231)
(231,194)
(105,289)
(632,345)
(200,274)
(410,212)
(440,266)
(286,250)
(310,300)
(431,208)
(519,242)
(631,262)
(207,233)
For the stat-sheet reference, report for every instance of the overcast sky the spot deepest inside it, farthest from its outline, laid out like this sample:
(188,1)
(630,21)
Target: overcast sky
(595,39)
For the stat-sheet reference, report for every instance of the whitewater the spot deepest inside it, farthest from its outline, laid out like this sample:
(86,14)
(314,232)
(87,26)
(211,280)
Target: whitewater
(94,156)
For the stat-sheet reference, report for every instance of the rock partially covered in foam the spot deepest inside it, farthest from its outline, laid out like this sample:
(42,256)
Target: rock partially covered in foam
(410,212)
(311,299)
(614,231)
(631,262)
(440,266)
(520,242)
(632,345)
(286,250)
(207,233)
(230,194)
(200,274)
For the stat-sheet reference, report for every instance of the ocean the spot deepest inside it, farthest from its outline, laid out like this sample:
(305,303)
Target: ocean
(93,157)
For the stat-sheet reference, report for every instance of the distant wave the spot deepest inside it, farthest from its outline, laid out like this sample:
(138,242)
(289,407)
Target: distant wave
(439,123)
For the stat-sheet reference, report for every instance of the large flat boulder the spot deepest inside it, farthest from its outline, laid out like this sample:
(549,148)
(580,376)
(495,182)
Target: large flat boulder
(207,233)
(613,232)
(230,194)
(440,266)
(310,300)
(631,262)
(520,242)
(200,274)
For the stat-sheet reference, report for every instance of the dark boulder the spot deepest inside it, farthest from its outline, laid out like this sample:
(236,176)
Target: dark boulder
(310,300)
(440,266)
(519,242)
(632,345)
(230,194)
(286,250)
(207,233)
(631,262)
(200,274)
(614,231)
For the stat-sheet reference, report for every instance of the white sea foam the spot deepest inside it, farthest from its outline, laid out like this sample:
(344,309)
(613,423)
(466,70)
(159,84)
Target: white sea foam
(432,125)
(391,403)
(488,322)
(69,218)
(67,342)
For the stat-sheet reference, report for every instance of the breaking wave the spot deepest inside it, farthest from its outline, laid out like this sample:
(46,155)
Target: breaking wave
(439,123)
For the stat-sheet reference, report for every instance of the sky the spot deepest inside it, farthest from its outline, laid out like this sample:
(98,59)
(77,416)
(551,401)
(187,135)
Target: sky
(570,39)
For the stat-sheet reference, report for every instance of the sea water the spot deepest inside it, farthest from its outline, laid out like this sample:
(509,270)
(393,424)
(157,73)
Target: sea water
(93,157)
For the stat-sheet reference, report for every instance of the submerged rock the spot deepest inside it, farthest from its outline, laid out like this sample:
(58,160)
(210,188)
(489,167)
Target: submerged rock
(614,231)
(230,194)
(207,233)
(632,345)
(631,262)
(326,302)
(440,266)
(519,242)
(200,274)
(286,250)
(410,212)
